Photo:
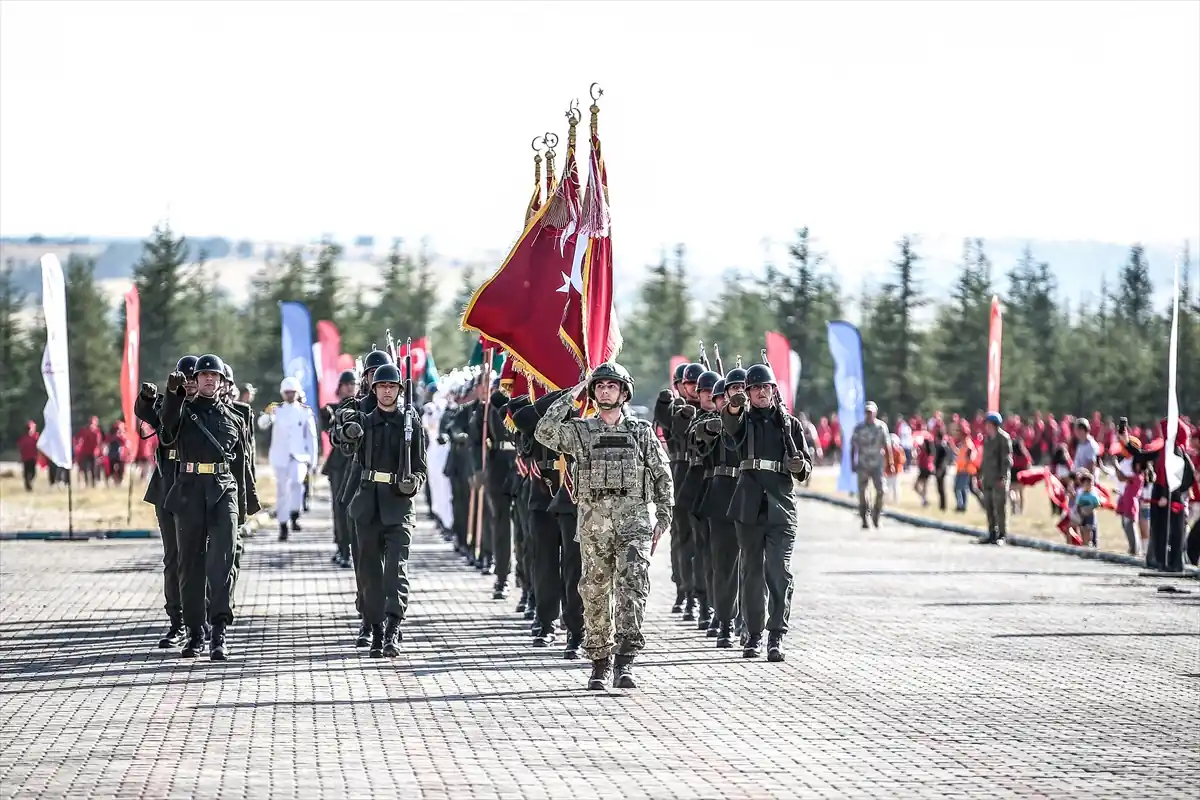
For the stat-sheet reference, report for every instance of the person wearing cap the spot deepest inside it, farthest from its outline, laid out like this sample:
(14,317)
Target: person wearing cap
(208,499)
(293,451)
(870,453)
(995,474)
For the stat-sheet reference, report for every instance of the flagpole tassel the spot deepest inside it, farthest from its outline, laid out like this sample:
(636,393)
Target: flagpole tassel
(594,217)
(558,215)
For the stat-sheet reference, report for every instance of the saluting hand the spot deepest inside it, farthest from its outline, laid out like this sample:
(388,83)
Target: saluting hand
(175,381)
(737,400)
(687,412)
(713,426)
(149,391)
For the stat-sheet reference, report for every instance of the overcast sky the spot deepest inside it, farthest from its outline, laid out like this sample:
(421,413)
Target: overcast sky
(723,123)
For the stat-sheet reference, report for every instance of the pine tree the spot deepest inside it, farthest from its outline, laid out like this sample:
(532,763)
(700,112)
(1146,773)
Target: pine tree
(1032,333)
(961,334)
(16,376)
(661,326)
(165,314)
(326,289)
(95,365)
(450,344)
(893,344)
(408,294)
(742,315)
(1129,343)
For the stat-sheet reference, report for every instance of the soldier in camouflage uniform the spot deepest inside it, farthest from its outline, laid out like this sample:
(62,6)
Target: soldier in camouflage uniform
(871,447)
(621,468)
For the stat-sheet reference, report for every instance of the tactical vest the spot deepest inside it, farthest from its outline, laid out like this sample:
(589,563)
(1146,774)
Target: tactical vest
(610,463)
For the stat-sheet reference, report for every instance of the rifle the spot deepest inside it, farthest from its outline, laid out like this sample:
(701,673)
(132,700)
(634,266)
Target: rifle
(406,461)
(391,346)
(703,357)
(717,358)
(784,417)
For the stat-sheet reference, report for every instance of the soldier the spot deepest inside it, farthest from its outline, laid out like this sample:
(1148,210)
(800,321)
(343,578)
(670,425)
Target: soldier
(871,449)
(683,412)
(335,470)
(148,408)
(774,453)
(391,452)
(621,469)
(498,469)
(244,410)
(346,436)
(994,476)
(209,499)
(664,409)
(521,479)
(689,498)
(721,461)
(293,452)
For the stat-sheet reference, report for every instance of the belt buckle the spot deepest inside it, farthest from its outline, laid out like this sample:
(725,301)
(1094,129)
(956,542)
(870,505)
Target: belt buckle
(172,455)
(381,477)
(206,469)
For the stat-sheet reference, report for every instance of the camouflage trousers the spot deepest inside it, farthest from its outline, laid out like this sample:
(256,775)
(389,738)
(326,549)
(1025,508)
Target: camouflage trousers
(614,543)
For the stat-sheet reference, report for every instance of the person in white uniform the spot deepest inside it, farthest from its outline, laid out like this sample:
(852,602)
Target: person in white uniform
(293,452)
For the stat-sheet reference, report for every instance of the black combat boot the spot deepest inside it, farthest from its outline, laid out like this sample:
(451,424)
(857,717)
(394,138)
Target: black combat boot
(206,631)
(623,672)
(523,602)
(531,608)
(544,637)
(714,626)
(689,610)
(500,591)
(601,670)
(295,520)
(376,641)
(194,643)
(775,646)
(725,635)
(337,558)
(283,531)
(364,635)
(573,644)
(485,565)
(391,637)
(704,617)
(678,606)
(174,635)
(218,650)
(753,645)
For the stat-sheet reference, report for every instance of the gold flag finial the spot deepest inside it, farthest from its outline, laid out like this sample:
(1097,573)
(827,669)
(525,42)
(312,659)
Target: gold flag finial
(595,92)
(550,140)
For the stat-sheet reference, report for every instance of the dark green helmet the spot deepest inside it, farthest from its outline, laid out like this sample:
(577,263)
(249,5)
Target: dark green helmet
(758,375)
(735,375)
(228,372)
(187,365)
(610,371)
(347,376)
(375,359)
(210,363)
(707,380)
(692,372)
(679,368)
(719,389)
(385,373)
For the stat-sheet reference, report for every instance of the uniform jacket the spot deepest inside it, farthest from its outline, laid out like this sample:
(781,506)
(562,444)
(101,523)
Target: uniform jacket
(293,435)
(381,449)
(997,462)
(764,497)
(183,426)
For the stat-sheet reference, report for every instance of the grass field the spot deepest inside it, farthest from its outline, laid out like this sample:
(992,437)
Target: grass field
(1036,522)
(102,508)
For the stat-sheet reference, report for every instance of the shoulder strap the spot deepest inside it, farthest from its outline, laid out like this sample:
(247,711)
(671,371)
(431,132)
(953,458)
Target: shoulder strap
(208,435)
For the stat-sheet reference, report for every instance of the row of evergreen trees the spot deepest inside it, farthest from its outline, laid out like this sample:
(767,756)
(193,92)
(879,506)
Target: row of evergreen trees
(922,353)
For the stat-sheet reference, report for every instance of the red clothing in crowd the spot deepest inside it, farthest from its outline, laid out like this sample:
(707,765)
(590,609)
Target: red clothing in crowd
(27,444)
(89,440)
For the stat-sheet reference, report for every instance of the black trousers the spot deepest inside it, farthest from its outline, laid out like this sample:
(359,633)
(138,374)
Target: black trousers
(520,545)
(172,592)
(384,550)
(766,555)
(572,571)
(547,568)
(87,466)
(701,574)
(207,538)
(1167,532)
(460,499)
(341,518)
(499,544)
(677,574)
(726,561)
(30,471)
(682,550)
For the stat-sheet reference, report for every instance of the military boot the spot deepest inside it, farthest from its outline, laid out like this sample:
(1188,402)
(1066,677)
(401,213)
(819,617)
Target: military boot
(485,565)
(725,635)
(714,627)
(391,637)
(704,617)
(531,608)
(500,591)
(601,670)
(678,606)
(174,635)
(544,637)
(283,531)
(194,643)
(623,672)
(775,646)
(364,635)
(689,610)
(295,520)
(523,602)
(376,641)
(753,646)
(218,650)
(574,642)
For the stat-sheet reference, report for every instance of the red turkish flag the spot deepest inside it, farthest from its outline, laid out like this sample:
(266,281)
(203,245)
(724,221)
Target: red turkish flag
(995,338)
(420,347)
(520,307)
(130,359)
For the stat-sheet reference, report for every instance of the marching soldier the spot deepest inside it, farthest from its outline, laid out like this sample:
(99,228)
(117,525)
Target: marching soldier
(208,498)
(774,453)
(345,436)
(391,453)
(621,468)
(522,480)
(697,477)
(664,409)
(293,452)
(335,469)
(233,398)
(452,431)
(148,408)
(721,473)
(500,464)
(683,412)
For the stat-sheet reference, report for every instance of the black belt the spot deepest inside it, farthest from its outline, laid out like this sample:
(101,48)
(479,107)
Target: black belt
(608,493)
(371,476)
(728,472)
(205,469)
(695,461)
(547,465)
(765,466)
(172,455)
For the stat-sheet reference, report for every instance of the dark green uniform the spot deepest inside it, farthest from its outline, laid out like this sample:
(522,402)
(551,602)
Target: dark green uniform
(664,410)
(721,462)
(687,477)
(334,469)
(501,464)
(149,410)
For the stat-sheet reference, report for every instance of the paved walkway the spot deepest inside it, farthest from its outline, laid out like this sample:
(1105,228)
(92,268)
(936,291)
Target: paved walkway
(920,666)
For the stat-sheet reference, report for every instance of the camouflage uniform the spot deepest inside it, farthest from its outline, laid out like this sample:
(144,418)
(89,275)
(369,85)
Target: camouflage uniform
(620,470)
(870,442)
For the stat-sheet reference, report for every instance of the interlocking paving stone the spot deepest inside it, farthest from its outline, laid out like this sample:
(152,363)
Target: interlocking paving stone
(919,665)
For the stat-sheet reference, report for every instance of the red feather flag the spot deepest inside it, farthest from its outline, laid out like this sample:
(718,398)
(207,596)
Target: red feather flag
(521,305)
(589,323)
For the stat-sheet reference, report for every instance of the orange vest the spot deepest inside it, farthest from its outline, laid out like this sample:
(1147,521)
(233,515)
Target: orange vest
(966,462)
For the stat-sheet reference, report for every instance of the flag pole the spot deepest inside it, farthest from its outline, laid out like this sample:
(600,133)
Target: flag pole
(487,407)
(70,503)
